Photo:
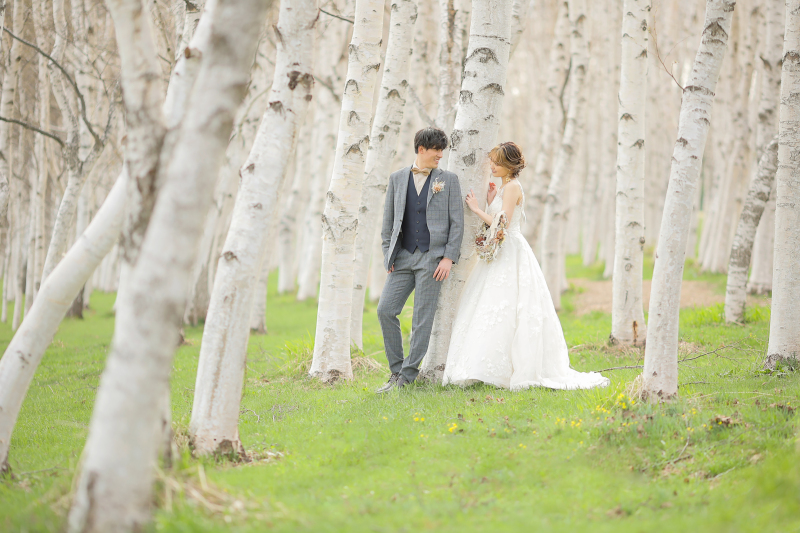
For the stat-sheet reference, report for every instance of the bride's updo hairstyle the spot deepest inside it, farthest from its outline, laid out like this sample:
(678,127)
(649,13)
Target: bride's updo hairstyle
(508,155)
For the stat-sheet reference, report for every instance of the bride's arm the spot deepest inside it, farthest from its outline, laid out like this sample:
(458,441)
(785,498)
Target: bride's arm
(472,203)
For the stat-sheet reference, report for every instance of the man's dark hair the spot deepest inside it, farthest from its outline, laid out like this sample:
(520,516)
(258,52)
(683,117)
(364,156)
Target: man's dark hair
(430,138)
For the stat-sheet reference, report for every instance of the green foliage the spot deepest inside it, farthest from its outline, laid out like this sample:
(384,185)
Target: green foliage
(340,458)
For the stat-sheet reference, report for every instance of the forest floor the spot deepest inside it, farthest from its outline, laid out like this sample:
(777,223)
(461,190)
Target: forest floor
(722,457)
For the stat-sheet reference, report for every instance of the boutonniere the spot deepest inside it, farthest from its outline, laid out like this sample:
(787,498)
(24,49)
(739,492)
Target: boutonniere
(438,186)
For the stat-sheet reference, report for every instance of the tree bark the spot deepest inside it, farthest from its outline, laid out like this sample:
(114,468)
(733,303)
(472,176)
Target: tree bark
(784,333)
(340,218)
(551,123)
(556,204)
(114,489)
(474,134)
(220,373)
(382,149)
(739,264)
(627,314)
(24,353)
(660,375)
(7,99)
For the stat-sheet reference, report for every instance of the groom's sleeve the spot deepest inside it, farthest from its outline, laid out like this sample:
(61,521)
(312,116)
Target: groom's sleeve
(388,219)
(456,209)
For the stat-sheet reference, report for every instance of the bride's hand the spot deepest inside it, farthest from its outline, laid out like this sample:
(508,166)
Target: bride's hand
(492,192)
(472,202)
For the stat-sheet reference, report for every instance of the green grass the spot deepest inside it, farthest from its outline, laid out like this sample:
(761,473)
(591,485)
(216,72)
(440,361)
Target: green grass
(340,458)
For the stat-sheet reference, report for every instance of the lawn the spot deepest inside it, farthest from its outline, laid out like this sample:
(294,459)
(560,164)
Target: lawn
(723,457)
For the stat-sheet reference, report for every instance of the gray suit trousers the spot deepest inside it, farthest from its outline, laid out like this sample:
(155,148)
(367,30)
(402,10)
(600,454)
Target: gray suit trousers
(412,272)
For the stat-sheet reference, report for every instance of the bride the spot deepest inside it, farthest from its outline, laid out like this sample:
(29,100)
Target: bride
(506,331)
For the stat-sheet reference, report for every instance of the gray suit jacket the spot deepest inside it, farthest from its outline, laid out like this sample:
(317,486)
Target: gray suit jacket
(445,214)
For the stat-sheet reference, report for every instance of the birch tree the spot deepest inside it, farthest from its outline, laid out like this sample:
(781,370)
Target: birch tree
(220,373)
(784,333)
(77,168)
(114,488)
(453,20)
(382,149)
(7,97)
(660,375)
(550,122)
(340,218)
(474,134)
(556,204)
(762,184)
(627,315)
(24,353)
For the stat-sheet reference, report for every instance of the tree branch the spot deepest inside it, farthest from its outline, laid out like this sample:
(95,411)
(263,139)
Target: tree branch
(421,108)
(336,16)
(69,79)
(33,128)
(328,86)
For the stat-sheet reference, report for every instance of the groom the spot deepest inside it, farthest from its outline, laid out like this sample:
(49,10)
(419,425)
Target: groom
(423,222)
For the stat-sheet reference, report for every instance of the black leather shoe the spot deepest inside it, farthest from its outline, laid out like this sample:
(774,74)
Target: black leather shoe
(389,385)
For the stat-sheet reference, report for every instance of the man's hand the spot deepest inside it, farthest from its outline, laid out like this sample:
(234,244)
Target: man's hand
(391,269)
(443,270)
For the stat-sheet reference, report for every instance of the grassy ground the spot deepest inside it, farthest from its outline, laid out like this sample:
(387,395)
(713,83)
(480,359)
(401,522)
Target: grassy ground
(721,458)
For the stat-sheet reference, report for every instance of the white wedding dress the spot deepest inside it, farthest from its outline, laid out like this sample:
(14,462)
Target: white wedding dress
(506,331)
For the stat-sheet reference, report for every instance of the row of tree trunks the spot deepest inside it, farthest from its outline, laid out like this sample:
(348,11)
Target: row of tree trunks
(114,494)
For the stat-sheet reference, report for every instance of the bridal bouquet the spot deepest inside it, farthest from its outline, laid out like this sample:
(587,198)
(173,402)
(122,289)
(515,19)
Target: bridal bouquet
(490,237)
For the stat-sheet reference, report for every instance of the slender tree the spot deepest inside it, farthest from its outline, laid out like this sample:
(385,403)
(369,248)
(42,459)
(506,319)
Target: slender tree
(382,149)
(24,353)
(474,133)
(340,217)
(214,426)
(660,375)
(550,122)
(784,333)
(556,204)
(627,315)
(762,183)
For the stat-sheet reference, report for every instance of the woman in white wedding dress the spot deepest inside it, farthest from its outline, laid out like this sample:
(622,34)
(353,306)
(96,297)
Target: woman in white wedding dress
(506,331)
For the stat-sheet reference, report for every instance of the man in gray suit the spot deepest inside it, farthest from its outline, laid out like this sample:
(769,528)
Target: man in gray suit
(423,223)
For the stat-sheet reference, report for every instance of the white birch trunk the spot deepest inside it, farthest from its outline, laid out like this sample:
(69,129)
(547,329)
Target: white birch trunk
(660,375)
(294,209)
(382,149)
(24,353)
(784,333)
(377,275)
(453,18)
(340,218)
(114,489)
(7,99)
(627,314)
(739,264)
(332,61)
(556,204)
(558,70)
(760,280)
(474,134)
(220,373)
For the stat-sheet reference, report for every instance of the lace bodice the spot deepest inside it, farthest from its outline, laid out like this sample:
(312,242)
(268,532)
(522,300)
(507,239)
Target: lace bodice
(519,212)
